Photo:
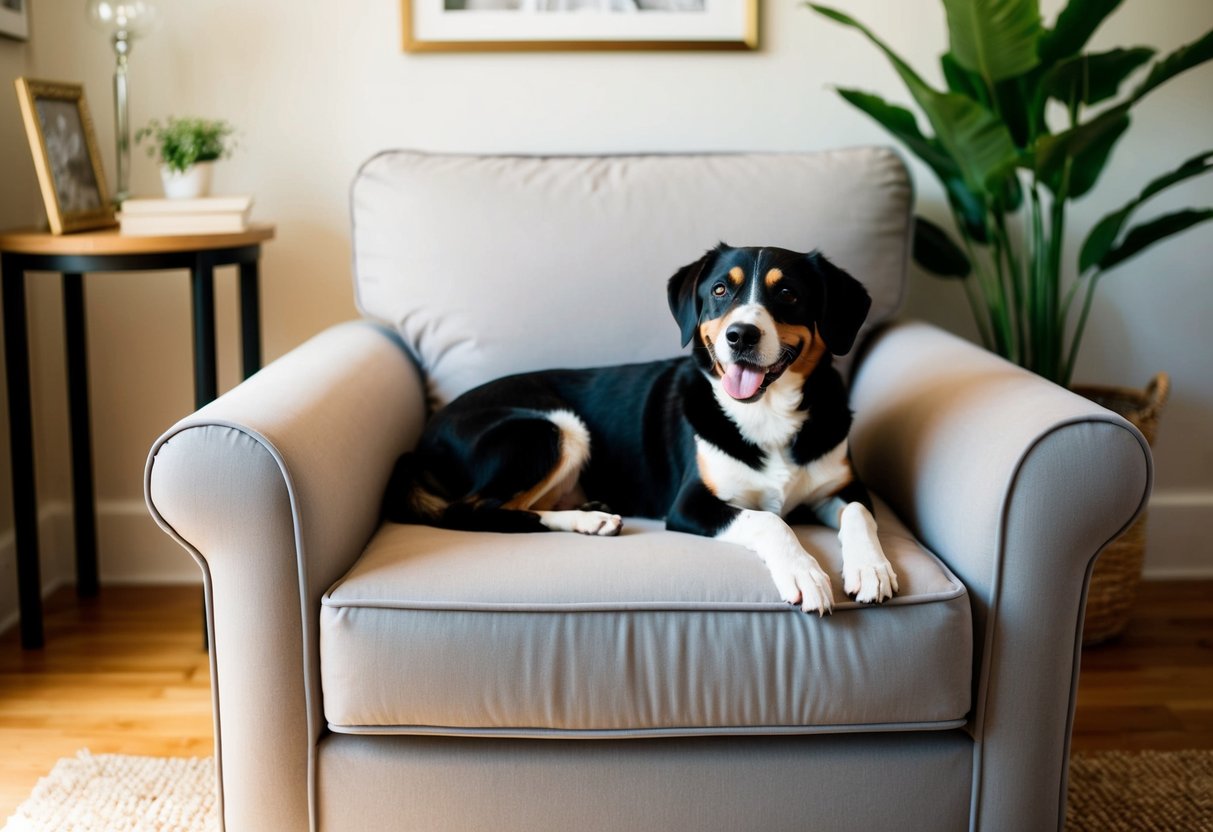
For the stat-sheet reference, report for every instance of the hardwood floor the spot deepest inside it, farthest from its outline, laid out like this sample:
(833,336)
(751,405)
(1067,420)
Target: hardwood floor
(126,673)
(1152,688)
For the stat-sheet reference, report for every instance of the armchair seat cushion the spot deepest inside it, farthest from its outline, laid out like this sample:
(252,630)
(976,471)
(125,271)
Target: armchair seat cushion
(650,633)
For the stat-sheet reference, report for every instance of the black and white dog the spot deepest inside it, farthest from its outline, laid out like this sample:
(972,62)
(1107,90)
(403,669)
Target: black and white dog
(748,430)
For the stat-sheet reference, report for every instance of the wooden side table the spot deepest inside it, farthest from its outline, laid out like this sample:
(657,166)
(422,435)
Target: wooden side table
(72,256)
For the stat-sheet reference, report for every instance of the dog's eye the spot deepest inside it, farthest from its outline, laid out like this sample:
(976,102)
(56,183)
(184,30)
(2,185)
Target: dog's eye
(719,290)
(787,296)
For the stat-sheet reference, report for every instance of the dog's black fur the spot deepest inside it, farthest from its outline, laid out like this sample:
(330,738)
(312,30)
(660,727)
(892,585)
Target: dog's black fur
(496,442)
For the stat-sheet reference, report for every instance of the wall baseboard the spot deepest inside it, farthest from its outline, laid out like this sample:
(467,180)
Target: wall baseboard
(1178,535)
(148,555)
(55,542)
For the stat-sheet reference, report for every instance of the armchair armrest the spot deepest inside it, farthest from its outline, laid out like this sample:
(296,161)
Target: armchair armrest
(1017,484)
(274,489)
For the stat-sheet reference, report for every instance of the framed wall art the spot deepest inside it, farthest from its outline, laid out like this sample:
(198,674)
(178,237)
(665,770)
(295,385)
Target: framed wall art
(61,138)
(14,19)
(533,25)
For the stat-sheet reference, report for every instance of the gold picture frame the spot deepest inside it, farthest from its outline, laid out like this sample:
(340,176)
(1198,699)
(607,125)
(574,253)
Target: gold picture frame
(61,139)
(578,25)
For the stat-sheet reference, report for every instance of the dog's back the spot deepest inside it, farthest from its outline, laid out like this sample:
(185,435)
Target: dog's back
(468,462)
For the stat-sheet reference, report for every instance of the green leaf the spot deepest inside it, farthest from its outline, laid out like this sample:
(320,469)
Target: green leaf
(997,39)
(936,252)
(1088,164)
(1074,27)
(969,207)
(1054,151)
(978,141)
(1143,236)
(904,125)
(1180,60)
(1012,194)
(1103,236)
(1198,164)
(1092,138)
(1022,102)
(964,81)
(1090,79)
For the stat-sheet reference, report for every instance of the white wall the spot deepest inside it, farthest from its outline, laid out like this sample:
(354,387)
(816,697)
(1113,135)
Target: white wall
(317,87)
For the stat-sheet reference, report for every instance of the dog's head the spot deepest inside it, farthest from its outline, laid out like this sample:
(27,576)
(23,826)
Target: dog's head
(757,313)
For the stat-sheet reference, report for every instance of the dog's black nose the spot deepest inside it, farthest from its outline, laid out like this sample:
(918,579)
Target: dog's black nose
(743,335)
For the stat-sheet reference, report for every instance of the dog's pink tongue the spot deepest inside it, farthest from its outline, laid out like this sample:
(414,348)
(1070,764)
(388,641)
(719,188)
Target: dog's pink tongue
(742,382)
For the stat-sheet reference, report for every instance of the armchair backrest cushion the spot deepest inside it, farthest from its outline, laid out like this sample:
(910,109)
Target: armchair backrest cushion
(492,265)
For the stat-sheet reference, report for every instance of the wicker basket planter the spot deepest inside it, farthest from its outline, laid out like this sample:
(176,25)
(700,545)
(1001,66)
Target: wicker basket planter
(1118,569)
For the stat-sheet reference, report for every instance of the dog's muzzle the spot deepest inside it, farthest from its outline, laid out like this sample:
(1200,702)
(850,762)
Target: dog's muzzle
(746,381)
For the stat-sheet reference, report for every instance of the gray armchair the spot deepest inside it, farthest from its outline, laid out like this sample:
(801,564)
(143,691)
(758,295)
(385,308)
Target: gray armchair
(371,676)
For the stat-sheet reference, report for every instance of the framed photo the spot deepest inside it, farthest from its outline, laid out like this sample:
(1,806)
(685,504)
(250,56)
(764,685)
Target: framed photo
(69,170)
(532,25)
(14,19)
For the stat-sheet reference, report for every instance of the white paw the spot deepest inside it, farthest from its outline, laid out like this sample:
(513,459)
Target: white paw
(802,582)
(867,575)
(597,523)
(869,583)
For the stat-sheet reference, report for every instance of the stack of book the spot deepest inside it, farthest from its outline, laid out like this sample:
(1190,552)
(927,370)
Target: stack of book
(204,215)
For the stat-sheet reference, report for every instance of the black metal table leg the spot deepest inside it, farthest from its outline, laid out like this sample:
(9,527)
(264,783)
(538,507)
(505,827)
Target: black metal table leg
(250,318)
(20,427)
(206,384)
(81,431)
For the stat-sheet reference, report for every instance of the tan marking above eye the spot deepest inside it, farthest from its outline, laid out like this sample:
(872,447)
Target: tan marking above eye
(773,277)
(737,275)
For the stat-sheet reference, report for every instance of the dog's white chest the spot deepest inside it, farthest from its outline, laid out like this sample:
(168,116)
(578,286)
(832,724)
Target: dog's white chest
(780,484)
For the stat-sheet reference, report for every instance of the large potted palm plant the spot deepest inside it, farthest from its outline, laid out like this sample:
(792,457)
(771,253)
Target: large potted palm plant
(1009,173)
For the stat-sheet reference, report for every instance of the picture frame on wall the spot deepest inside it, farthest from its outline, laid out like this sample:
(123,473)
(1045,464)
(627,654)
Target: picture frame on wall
(550,25)
(64,146)
(14,19)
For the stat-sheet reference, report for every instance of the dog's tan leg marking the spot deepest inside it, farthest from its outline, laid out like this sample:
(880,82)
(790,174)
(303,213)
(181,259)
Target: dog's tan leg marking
(563,484)
(564,477)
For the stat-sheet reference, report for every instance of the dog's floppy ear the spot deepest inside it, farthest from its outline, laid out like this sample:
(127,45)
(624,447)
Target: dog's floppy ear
(845,305)
(684,295)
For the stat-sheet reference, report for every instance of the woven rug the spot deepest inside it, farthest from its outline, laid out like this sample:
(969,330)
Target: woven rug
(1146,791)
(119,793)
(1109,792)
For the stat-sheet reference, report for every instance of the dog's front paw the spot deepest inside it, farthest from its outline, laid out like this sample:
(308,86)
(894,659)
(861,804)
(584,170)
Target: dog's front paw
(867,575)
(869,583)
(803,583)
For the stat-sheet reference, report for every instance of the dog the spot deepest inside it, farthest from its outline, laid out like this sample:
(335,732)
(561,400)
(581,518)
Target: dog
(734,441)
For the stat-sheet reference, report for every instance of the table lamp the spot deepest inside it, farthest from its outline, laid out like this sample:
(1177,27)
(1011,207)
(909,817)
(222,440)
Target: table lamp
(123,22)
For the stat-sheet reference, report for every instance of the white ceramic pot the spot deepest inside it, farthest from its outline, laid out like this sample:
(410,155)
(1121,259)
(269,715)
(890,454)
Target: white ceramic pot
(193,182)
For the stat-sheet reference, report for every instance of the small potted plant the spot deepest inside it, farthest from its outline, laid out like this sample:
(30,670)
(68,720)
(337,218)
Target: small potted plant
(187,149)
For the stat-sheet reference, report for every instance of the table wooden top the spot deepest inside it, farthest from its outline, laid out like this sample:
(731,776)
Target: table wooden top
(110,241)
